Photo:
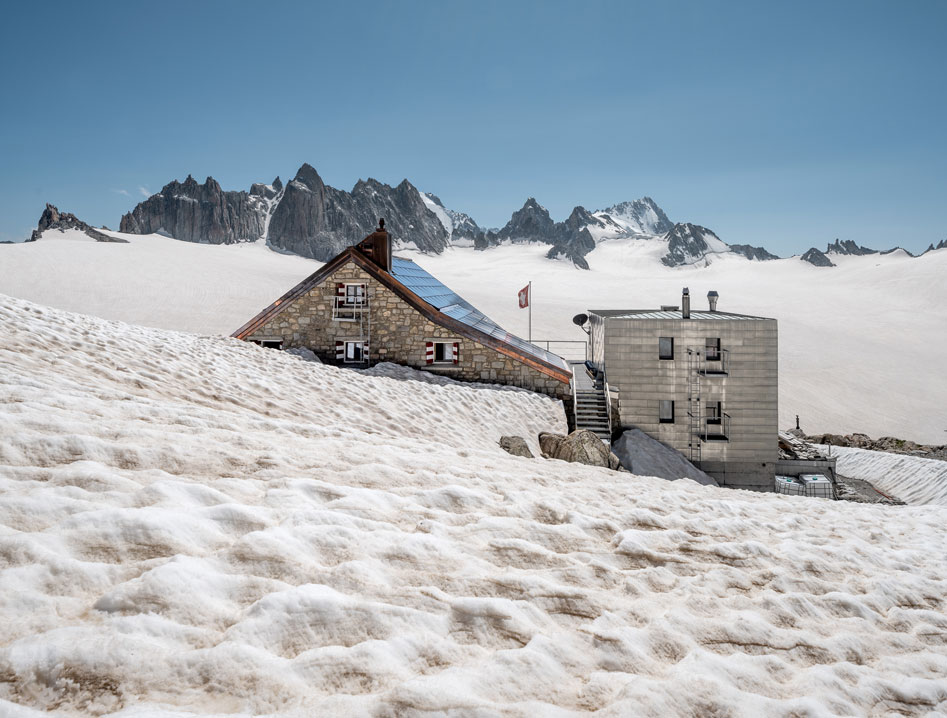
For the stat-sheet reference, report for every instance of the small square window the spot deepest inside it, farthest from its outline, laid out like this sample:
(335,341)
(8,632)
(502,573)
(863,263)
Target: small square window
(712,348)
(714,412)
(666,411)
(443,352)
(355,294)
(353,352)
(666,348)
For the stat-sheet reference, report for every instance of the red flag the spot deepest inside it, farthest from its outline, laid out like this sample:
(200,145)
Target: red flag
(524,297)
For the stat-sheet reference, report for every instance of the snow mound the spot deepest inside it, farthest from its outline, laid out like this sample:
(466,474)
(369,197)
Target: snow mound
(199,526)
(913,479)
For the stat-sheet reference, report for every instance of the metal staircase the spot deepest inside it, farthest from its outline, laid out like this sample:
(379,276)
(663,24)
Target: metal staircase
(591,408)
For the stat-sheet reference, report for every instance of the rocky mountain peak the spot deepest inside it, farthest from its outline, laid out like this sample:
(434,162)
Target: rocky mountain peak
(687,243)
(848,247)
(816,258)
(642,216)
(531,222)
(277,183)
(52,218)
(307,176)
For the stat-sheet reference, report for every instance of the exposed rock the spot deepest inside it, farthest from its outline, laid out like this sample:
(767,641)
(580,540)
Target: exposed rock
(752,252)
(515,445)
(643,455)
(266,191)
(642,216)
(581,446)
(688,243)
(816,258)
(848,247)
(889,444)
(463,227)
(199,213)
(318,221)
(530,223)
(52,218)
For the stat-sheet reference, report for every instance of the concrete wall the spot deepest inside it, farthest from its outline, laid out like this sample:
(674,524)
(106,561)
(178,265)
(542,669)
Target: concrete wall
(749,392)
(398,333)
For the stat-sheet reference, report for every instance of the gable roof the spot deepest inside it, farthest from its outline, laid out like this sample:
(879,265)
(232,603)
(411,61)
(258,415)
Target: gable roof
(432,299)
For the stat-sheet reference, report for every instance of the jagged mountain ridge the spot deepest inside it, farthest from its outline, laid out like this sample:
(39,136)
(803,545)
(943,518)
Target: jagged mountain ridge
(310,218)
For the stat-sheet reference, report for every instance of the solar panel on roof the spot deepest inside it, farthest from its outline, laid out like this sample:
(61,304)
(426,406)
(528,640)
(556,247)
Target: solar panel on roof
(456,307)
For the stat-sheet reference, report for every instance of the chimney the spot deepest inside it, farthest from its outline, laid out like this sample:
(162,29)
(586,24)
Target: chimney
(686,304)
(712,297)
(377,246)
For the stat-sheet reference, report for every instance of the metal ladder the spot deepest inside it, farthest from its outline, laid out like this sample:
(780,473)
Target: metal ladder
(693,405)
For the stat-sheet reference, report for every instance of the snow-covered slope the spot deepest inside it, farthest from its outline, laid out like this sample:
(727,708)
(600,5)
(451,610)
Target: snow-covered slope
(196,526)
(152,280)
(859,348)
(912,479)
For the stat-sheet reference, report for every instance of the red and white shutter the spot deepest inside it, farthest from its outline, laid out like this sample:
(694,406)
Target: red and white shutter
(365,351)
(429,355)
(340,351)
(339,295)
(456,352)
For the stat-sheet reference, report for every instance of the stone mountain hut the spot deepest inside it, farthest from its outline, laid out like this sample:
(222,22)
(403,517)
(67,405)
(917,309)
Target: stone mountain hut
(366,306)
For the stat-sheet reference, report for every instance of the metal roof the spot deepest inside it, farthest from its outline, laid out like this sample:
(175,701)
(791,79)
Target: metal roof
(660,314)
(453,305)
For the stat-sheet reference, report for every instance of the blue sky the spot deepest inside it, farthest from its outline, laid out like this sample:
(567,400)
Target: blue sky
(784,125)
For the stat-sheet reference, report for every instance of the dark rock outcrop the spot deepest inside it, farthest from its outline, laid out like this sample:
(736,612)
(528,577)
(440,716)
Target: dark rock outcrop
(752,252)
(687,243)
(817,258)
(270,191)
(530,223)
(315,220)
(889,444)
(848,247)
(581,446)
(464,228)
(515,445)
(199,213)
(934,247)
(646,456)
(52,218)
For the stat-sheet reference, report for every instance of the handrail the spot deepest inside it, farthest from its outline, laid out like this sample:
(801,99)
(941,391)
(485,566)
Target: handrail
(547,342)
(608,399)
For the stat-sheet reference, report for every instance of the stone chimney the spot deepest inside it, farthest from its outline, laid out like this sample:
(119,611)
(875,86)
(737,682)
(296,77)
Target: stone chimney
(712,298)
(377,246)
(686,304)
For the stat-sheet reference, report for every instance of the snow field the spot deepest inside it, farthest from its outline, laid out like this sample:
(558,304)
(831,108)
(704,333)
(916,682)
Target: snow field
(194,525)
(859,344)
(913,479)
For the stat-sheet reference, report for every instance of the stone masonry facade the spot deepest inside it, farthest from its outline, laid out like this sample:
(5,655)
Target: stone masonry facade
(395,332)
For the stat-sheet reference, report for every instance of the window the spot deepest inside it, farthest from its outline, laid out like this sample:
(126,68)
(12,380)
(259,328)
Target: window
(442,352)
(714,412)
(351,352)
(666,411)
(712,349)
(269,343)
(354,294)
(666,347)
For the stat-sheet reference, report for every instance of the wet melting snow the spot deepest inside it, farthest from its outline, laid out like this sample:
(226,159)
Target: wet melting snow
(193,525)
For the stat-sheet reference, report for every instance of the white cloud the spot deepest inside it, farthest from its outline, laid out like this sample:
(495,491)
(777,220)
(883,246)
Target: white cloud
(145,192)
(121,191)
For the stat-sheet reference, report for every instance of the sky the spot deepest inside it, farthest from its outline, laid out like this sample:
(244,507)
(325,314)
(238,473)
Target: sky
(783,125)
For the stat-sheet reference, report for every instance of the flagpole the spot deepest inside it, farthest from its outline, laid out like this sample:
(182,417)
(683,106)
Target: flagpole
(529,297)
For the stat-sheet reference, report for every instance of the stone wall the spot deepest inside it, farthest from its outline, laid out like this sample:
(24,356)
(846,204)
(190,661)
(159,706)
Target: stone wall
(396,332)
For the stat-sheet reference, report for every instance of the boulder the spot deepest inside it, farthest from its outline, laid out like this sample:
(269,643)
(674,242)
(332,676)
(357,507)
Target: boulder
(581,446)
(646,456)
(515,445)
